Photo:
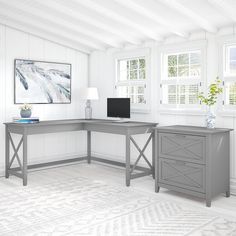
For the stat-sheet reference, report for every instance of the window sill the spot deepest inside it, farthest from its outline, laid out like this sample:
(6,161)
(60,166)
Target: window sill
(227,113)
(140,111)
(183,112)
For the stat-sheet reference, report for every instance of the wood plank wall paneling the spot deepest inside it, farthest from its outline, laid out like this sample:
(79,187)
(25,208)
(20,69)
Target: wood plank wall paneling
(42,148)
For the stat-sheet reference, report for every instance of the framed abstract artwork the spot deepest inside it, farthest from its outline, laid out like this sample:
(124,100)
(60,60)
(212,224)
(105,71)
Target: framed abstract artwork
(39,82)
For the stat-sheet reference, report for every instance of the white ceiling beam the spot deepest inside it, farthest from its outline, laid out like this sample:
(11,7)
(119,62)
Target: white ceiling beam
(225,6)
(192,15)
(63,8)
(59,22)
(23,19)
(144,8)
(108,12)
(12,23)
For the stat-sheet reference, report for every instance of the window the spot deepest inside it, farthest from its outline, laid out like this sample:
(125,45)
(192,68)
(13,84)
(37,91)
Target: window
(181,94)
(229,74)
(181,78)
(132,81)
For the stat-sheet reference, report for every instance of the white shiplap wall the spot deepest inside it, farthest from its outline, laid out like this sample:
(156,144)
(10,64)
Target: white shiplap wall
(42,148)
(102,76)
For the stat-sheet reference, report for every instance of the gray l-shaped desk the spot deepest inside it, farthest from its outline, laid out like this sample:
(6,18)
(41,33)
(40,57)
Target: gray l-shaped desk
(127,129)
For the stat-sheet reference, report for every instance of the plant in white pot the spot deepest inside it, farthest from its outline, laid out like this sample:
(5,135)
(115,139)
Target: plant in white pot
(210,100)
(25,110)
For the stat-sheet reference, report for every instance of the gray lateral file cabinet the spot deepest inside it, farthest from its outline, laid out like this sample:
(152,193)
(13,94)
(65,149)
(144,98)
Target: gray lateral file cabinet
(193,160)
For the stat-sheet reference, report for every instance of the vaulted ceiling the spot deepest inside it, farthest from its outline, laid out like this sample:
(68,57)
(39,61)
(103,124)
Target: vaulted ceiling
(89,25)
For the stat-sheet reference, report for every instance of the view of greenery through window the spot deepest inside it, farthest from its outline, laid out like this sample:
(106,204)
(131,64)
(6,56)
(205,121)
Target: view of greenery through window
(131,80)
(184,65)
(230,72)
(232,94)
(132,69)
(181,84)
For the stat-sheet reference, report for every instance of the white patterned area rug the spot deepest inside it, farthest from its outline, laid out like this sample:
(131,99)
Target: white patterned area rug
(79,206)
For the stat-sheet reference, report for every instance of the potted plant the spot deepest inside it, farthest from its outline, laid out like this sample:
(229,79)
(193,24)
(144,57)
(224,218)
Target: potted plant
(25,110)
(210,100)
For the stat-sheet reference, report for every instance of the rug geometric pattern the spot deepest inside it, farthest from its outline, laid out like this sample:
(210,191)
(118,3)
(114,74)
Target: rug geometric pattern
(83,207)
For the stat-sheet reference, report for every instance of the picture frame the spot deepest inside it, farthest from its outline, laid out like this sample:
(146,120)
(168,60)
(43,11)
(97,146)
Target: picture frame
(42,82)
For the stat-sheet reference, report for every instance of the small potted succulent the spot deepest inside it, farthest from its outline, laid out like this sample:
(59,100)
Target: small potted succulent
(25,110)
(210,100)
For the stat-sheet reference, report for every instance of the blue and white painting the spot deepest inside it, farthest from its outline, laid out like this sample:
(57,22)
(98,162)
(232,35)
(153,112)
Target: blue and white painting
(42,82)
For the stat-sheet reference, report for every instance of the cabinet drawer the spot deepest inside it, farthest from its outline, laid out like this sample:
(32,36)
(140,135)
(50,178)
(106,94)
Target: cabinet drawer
(182,147)
(182,174)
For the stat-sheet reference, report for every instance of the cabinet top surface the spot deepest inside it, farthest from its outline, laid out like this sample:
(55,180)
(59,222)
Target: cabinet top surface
(192,129)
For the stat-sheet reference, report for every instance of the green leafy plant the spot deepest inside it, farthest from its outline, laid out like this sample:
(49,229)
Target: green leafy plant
(214,90)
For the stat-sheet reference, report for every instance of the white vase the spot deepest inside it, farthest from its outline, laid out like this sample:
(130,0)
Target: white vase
(25,113)
(210,118)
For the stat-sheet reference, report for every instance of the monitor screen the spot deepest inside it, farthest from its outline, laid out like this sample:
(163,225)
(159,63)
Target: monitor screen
(118,107)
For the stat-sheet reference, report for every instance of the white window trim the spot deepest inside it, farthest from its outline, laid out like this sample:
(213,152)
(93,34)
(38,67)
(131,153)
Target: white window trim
(129,54)
(224,109)
(200,45)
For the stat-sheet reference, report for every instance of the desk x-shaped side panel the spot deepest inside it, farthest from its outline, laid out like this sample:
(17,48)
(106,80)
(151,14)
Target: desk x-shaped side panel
(130,168)
(141,154)
(20,171)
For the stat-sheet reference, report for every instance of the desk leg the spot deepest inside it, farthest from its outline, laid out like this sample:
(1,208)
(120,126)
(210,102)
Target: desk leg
(89,146)
(156,135)
(24,159)
(127,162)
(153,154)
(7,152)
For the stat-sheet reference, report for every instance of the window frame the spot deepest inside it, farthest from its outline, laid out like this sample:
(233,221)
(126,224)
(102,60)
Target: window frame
(129,55)
(224,72)
(187,47)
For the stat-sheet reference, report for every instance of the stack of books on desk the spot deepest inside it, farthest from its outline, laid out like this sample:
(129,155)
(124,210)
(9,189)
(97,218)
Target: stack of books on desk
(30,120)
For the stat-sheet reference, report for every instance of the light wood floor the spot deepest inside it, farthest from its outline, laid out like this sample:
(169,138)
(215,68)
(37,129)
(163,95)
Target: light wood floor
(116,176)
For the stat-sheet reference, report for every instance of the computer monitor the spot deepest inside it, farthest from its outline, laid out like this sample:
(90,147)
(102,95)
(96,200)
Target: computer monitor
(118,107)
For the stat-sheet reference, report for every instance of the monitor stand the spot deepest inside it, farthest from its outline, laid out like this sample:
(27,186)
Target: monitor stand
(121,120)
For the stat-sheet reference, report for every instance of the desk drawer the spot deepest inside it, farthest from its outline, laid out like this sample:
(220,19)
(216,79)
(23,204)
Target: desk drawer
(182,147)
(182,174)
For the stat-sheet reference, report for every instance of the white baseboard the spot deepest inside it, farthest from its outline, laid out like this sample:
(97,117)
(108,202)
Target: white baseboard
(233,186)
(113,157)
(108,157)
(51,158)
(46,159)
